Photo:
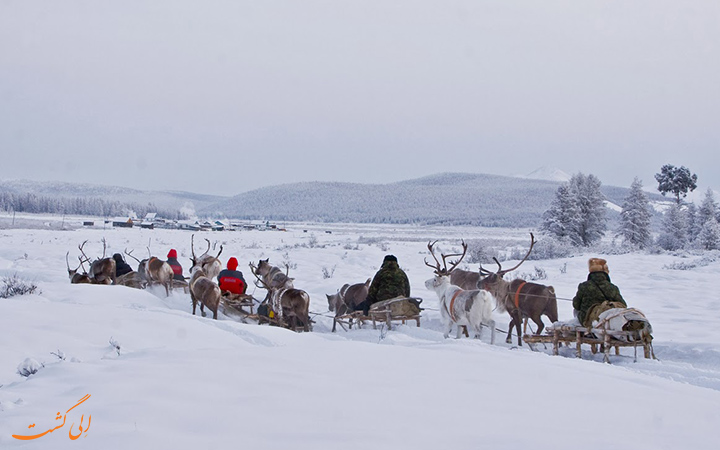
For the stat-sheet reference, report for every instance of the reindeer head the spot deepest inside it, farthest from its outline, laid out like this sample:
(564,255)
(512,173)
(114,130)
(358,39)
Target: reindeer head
(264,267)
(492,280)
(442,274)
(205,258)
(72,272)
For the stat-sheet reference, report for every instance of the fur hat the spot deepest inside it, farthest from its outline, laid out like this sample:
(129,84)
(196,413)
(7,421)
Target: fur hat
(232,263)
(598,265)
(389,258)
(172,253)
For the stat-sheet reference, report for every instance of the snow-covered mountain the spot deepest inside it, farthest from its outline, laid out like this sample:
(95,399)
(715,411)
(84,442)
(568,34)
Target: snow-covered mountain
(448,198)
(548,173)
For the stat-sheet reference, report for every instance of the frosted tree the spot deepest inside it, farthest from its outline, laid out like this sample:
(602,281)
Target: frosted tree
(692,223)
(708,208)
(590,202)
(635,217)
(674,234)
(677,180)
(710,235)
(560,220)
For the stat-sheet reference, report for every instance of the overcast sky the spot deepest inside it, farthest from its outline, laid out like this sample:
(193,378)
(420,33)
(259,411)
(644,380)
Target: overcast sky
(222,97)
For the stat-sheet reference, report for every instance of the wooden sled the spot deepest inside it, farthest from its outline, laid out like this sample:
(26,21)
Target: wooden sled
(595,337)
(381,312)
(236,302)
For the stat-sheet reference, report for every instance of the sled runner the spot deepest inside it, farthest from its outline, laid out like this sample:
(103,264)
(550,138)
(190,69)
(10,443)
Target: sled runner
(236,302)
(618,327)
(398,309)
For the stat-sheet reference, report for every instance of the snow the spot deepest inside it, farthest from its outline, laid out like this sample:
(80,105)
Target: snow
(159,377)
(548,173)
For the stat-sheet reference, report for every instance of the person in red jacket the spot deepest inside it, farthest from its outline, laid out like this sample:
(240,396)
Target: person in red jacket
(231,280)
(176,267)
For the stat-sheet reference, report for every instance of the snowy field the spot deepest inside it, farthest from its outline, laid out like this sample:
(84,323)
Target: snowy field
(179,381)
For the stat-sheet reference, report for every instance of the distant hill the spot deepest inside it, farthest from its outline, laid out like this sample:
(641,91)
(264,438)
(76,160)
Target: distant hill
(449,198)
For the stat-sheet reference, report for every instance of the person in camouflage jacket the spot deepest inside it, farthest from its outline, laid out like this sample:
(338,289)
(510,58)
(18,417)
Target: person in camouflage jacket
(389,282)
(597,294)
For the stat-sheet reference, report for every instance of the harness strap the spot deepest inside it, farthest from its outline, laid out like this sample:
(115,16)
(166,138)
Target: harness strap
(517,294)
(452,303)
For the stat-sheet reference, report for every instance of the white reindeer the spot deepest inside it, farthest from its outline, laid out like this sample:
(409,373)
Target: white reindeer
(472,308)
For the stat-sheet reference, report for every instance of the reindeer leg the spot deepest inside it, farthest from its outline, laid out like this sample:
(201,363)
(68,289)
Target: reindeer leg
(491,324)
(459,333)
(508,339)
(518,324)
(202,309)
(448,328)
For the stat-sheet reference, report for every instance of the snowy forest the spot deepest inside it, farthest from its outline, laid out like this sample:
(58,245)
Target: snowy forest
(91,206)
(577,215)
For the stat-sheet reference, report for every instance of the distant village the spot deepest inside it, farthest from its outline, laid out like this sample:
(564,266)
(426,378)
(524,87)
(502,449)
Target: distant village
(152,221)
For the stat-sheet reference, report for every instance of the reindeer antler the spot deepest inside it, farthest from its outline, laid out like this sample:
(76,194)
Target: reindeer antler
(501,272)
(104,247)
(436,267)
(453,264)
(81,264)
(456,263)
(80,247)
(253,269)
(192,247)
(221,249)
(129,253)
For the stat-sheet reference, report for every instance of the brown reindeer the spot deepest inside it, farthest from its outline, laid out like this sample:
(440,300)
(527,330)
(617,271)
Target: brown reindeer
(465,279)
(75,277)
(102,270)
(290,305)
(154,271)
(204,292)
(347,298)
(211,265)
(521,298)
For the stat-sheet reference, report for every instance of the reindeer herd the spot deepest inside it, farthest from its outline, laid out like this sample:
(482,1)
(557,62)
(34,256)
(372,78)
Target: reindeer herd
(467,299)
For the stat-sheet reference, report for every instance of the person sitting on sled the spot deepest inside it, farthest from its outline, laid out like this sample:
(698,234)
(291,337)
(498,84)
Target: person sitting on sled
(231,280)
(597,294)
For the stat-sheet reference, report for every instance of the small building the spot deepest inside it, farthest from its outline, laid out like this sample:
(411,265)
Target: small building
(122,222)
(188,226)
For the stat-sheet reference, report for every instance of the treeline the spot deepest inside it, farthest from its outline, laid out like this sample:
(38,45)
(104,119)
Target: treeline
(91,206)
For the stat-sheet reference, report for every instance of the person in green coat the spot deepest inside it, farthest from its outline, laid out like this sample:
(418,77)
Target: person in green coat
(597,294)
(389,282)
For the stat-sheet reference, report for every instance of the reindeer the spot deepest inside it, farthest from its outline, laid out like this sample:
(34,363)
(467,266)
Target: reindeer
(347,298)
(132,279)
(77,278)
(520,298)
(102,270)
(211,265)
(154,271)
(465,279)
(470,308)
(273,276)
(290,305)
(203,291)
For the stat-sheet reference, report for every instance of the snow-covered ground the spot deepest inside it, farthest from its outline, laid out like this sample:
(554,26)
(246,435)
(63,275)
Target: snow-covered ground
(179,381)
